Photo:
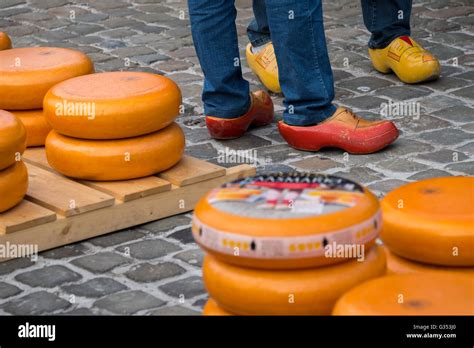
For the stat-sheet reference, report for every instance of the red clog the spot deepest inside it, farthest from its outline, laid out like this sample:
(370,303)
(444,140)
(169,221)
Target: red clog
(343,130)
(259,114)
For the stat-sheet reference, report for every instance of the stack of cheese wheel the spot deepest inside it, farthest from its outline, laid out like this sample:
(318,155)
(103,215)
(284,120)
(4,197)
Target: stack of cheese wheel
(428,226)
(113,126)
(13,173)
(431,293)
(286,244)
(26,74)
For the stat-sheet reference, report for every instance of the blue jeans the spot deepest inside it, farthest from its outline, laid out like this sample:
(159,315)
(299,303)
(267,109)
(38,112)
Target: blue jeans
(385,19)
(305,73)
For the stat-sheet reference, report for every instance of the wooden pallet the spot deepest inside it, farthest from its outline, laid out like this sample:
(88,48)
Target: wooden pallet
(57,210)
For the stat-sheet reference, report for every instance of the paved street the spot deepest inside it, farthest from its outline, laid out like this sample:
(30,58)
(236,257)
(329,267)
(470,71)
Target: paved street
(154,268)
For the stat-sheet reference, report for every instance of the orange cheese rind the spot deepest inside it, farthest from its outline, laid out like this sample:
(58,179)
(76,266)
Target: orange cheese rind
(431,221)
(28,73)
(121,159)
(112,105)
(247,291)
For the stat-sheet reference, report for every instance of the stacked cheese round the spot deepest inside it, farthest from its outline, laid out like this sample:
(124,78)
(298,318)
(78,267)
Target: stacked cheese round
(428,226)
(113,126)
(13,173)
(26,74)
(287,244)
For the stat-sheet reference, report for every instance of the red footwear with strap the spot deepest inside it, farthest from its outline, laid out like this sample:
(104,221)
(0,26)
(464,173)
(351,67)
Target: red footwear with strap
(343,130)
(259,114)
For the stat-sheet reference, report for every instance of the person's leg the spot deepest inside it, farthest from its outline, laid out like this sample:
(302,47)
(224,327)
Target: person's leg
(305,72)
(390,46)
(258,31)
(225,93)
(386,20)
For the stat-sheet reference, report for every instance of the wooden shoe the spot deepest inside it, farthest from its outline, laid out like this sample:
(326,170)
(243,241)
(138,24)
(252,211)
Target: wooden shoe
(259,114)
(343,130)
(264,65)
(407,59)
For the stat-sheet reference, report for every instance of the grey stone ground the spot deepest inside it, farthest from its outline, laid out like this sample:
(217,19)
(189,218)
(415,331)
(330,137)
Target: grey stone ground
(162,273)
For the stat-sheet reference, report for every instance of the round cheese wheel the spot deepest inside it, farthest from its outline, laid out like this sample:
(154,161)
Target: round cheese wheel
(112,105)
(410,294)
(5,42)
(287,221)
(37,128)
(26,74)
(431,221)
(247,291)
(13,185)
(212,308)
(122,159)
(12,139)
(399,265)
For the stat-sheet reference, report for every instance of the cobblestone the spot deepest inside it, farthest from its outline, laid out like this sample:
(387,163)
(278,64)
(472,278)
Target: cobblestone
(48,277)
(146,269)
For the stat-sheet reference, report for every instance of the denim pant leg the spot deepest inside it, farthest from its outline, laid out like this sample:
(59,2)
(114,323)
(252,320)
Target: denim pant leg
(386,20)
(305,72)
(258,31)
(225,93)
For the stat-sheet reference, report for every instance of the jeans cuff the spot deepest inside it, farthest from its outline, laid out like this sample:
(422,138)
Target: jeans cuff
(227,114)
(260,42)
(314,117)
(382,43)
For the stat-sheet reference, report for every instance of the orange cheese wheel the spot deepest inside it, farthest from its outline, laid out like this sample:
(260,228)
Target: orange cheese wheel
(13,185)
(112,105)
(12,139)
(212,309)
(410,294)
(26,74)
(122,159)
(399,265)
(5,42)
(281,221)
(37,128)
(247,291)
(431,221)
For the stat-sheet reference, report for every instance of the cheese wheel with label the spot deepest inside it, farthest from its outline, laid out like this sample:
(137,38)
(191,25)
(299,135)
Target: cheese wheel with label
(247,291)
(13,185)
(286,221)
(37,128)
(26,74)
(211,308)
(410,294)
(12,139)
(5,42)
(399,265)
(112,105)
(106,160)
(431,221)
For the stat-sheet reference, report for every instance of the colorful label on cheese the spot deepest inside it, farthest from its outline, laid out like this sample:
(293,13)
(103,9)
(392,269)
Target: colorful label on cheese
(284,247)
(280,196)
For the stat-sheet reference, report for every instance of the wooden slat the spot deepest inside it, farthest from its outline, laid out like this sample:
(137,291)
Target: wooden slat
(24,215)
(36,155)
(125,190)
(191,170)
(62,195)
(128,190)
(121,215)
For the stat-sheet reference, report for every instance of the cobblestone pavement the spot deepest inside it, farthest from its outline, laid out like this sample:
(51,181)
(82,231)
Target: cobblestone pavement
(161,273)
